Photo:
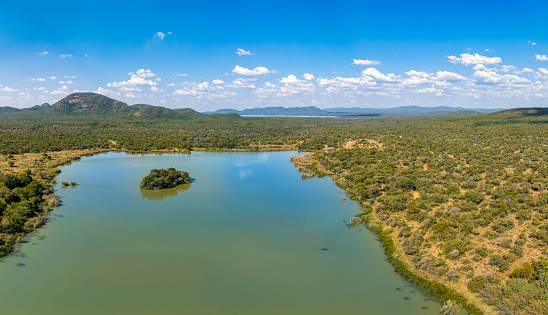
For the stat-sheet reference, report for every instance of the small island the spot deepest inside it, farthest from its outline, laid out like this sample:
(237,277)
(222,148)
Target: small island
(162,179)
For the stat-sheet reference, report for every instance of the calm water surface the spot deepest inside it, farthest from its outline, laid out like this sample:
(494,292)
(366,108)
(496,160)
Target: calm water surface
(245,238)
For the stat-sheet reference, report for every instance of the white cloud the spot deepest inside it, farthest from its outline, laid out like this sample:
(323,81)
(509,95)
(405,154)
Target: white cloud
(242,52)
(70,77)
(8,89)
(37,79)
(531,43)
(247,72)
(525,70)
(65,56)
(130,89)
(308,77)
(52,78)
(181,74)
(421,74)
(155,89)
(438,92)
(290,79)
(61,90)
(415,80)
(366,62)
(40,88)
(246,83)
(137,79)
(184,92)
(541,57)
(374,73)
(102,91)
(43,53)
(218,82)
(542,70)
(468,59)
(269,89)
(142,73)
(160,35)
(490,77)
(448,76)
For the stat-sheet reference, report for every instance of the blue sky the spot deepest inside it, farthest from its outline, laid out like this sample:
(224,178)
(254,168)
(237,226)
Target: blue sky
(242,54)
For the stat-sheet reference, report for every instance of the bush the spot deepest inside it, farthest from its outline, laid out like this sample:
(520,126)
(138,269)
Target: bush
(477,283)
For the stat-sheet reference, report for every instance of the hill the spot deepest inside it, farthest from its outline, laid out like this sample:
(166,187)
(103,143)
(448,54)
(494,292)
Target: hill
(8,109)
(88,104)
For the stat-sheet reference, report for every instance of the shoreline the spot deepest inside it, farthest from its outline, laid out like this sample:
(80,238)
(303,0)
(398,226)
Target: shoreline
(62,158)
(434,288)
(44,168)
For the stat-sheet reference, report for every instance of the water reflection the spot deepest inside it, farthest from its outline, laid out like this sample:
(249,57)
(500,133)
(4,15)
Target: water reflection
(162,194)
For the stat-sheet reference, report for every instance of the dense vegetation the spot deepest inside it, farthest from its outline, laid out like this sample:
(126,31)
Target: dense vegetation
(465,201)
(164,178)
(23,205)
(460,204)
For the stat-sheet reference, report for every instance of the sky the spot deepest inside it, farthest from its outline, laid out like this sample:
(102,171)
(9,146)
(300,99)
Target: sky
(242,54)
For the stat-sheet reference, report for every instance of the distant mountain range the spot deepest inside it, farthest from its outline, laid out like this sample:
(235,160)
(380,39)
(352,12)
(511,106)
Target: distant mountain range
(79,104)
(357,111)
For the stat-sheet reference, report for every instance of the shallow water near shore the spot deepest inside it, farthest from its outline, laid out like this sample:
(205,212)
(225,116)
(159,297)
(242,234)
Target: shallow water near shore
(248,236)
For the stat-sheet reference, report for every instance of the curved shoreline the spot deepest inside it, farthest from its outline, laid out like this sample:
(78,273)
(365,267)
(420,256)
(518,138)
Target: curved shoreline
(435,289)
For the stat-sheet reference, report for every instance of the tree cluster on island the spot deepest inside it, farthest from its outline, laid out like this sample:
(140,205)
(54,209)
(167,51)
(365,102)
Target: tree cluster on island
(164,178)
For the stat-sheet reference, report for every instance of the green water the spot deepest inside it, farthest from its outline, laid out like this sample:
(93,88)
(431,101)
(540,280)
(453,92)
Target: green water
(245,237)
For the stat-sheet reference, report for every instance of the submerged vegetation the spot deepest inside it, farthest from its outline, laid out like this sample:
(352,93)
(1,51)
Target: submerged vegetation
(164,178)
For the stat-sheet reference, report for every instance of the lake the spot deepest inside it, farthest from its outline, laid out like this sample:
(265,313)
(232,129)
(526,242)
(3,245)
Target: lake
(248,236)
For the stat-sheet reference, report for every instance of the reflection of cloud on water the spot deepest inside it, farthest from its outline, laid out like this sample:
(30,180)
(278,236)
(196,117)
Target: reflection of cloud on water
(162,194)
(245,173)
(261,157)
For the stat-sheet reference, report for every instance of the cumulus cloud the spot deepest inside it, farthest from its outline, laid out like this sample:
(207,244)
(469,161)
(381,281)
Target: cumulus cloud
(65,56)
(531,43)
(269,89)
(70,77)
(361,62)
(438,92)
(308,77)
(181,74)
(52,77)
(43,53)
(290,79)
(420,74)
(8,89)
(543,71)
(374,73)
(468,59)
(490,77)
(246,83)
(242,52)
(37,79)
(102,91)
(218,82)
(448,76)
(160,35)
(541,57)
(247,72)
(61,90)
(138,78)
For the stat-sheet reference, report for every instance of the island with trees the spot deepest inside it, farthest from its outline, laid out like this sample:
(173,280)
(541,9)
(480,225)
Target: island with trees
(164,178)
